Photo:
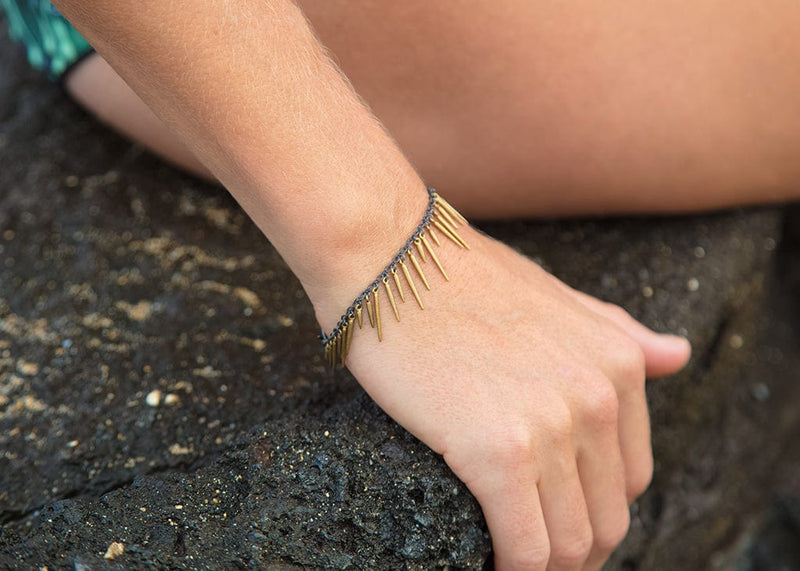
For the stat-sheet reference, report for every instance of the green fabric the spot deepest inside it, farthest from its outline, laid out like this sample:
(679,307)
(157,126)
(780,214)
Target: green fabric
(53,45)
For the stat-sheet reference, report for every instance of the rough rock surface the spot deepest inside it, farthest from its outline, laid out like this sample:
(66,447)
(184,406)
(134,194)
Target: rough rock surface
(161,385)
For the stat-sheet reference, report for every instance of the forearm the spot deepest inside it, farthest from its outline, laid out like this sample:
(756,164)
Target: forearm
(253,95)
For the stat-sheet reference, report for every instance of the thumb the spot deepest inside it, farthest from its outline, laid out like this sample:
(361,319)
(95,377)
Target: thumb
(664,354)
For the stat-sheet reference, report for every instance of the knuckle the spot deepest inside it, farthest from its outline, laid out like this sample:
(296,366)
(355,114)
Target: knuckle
(611,535)
(535,557)
(514,444)
(559,423)
(631,359)
(600,404)
(617,312)
(574,552)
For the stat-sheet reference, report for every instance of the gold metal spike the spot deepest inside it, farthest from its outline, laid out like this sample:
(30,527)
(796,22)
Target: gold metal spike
(348,338)
(343,350)
(419,269)
(418,243)
(464,242)
(447,233)
(342,340)
(390,295)
(449,207)
(430,231)
(433,256)
(370,313)
(397,283)
(377,302)
(340,350)
(446,215)
(444,225)
(411,283)
(359,316)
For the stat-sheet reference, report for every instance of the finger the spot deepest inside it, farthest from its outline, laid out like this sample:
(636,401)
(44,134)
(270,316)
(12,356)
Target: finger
(664,354)
(566,515)
(634,419)
(602,475)
(510,503)
(634,440)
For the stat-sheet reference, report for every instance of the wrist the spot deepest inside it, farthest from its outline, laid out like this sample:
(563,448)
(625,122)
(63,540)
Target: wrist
(406,266)
(356,245)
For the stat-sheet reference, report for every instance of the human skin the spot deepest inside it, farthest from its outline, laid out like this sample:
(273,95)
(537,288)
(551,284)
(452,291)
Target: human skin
(532,392)
(534,109)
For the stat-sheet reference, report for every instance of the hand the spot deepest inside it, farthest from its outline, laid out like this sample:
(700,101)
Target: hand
(533,393)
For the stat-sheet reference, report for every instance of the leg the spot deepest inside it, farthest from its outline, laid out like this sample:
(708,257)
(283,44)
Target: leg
(537,109)
(96,86)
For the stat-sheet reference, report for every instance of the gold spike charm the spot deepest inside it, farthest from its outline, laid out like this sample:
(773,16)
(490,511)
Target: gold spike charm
(370,313)
(430,231)
(342,342)
(359,316)
(328,353)
(390,295)
(418,244)
(348,336)
(433,256)
(415,263)
(334,351)
(446,216)
(376,302)
(453,212)
(410,283)
(397,283)
(448,223)
(451,233)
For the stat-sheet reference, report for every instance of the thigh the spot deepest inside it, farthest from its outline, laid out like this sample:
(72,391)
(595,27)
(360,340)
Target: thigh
(514,108)
(98,88)
(554,108)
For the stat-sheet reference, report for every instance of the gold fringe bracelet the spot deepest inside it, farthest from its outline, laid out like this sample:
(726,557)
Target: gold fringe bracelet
(439,217)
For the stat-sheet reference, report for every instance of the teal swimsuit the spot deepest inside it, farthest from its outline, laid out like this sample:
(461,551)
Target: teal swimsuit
(52,44)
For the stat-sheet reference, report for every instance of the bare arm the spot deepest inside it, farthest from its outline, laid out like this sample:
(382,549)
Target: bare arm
(251,92)
(533,392)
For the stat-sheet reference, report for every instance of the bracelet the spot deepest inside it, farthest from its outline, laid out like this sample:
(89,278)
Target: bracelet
(439,215)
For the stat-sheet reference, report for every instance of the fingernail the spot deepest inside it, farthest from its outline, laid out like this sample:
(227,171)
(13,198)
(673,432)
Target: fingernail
(678,340)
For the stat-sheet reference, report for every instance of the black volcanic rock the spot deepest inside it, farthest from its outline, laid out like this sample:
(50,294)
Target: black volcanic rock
(161,384)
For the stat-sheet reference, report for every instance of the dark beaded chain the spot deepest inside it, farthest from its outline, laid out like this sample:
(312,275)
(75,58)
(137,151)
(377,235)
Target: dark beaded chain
(401,256)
